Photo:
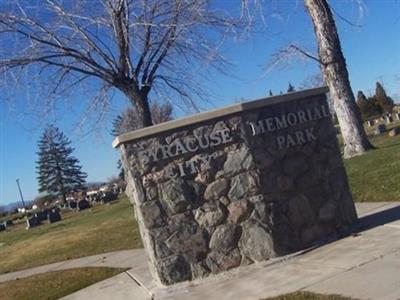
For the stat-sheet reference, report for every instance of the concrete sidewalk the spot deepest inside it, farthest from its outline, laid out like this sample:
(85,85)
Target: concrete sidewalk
(363,266)
(118,259)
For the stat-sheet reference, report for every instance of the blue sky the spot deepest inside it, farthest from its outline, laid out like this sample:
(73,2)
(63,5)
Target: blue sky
(372,52)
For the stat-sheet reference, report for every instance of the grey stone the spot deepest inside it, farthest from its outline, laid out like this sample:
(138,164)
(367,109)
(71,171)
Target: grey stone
(160,233)
(219,261)
(181,220)
(256,243)
(327,212)
(191,241)
(237,161)
(295,165)
(311,234)
(216,189)
(263,158)
(225,238)
(174,196)
(198,270)
(152,215)
(300,211)
(203,177)
(174,269)
(210,214)
(151,193)
(162,250)
(239,211)
(224,200)
(285,183)
(242,185)
(263,212)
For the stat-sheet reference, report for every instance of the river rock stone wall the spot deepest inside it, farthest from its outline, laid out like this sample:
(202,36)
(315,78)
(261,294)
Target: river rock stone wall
(238,189)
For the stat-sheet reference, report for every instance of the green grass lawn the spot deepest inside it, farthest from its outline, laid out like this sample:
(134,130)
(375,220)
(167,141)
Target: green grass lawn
(375,176)
(308,296)
(101,229)
(54,285)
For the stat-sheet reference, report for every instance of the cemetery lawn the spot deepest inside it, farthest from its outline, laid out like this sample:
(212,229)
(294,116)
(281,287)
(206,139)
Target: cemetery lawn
(54,285)
(375,176)
(103,228)
(308,296)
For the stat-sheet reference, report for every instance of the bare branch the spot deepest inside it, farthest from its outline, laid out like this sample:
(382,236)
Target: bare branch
(140,47)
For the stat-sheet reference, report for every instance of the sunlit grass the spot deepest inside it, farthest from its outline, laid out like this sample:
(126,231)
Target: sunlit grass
(101,229)
(54,285)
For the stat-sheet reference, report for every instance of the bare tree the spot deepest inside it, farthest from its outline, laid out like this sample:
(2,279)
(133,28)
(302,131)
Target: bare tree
(134,46)
(312,81)
(333,67)
(130,120)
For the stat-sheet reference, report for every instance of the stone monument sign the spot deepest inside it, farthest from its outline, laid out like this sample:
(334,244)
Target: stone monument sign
(237,185)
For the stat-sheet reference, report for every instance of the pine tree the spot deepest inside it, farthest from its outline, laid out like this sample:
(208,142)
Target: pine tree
(368,107)
(270,93)
(385,102)
(290,88)
(58,171)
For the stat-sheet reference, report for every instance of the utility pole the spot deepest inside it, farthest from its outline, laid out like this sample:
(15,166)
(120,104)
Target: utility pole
(20,193)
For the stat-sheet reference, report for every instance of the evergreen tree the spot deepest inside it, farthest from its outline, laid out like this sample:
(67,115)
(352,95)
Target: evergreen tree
(58,171)
(369,108)
(290,88)
(385,102)
(270,93)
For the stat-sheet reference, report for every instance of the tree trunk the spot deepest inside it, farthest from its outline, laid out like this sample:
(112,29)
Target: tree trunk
(333,67)
(139,99)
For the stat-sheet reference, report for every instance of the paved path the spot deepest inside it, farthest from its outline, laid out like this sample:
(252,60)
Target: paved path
(363,266)
(118,259)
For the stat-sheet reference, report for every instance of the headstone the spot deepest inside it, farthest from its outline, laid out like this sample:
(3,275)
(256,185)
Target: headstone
(54,216)
(72,204)
(32,222)
(42,215)
(370,123)
(237,185)
(8,223)
(2,227)
(395,131)
(380,129)
(389,120)
(83,204)
(108,196)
